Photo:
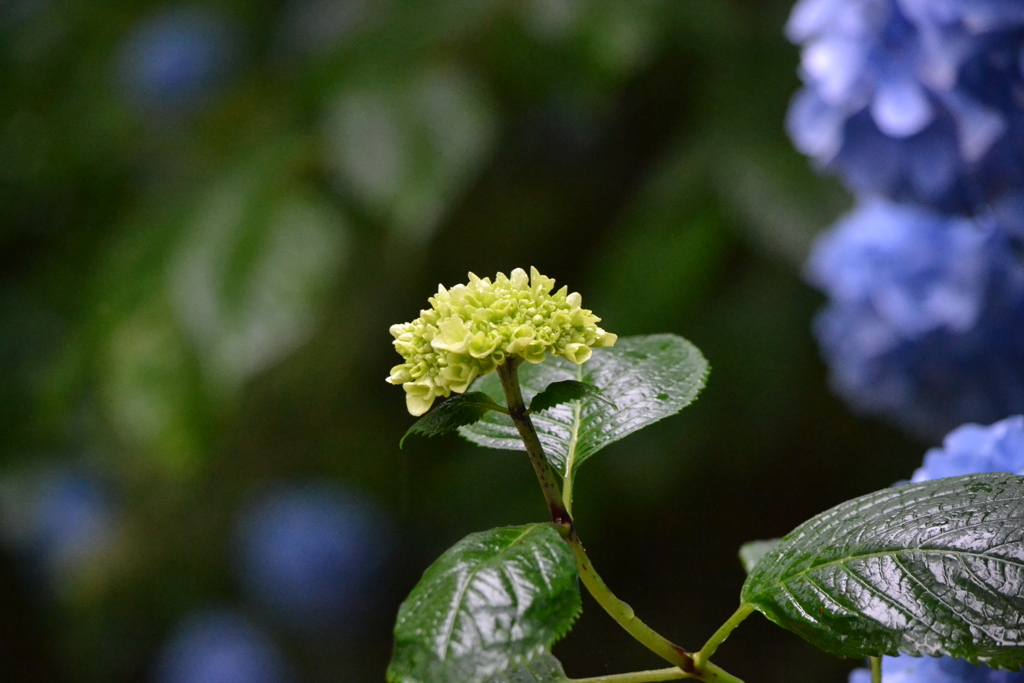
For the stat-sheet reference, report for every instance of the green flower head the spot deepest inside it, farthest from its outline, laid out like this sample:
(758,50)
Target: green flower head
(469,330)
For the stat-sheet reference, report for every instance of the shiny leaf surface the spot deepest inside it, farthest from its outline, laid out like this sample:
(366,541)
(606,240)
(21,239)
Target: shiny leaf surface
(452,413)
(935,568)
(541,669)
(647,378)
(558,393)
(488,610)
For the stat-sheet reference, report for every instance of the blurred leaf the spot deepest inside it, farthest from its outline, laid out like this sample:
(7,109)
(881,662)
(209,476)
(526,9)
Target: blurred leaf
(646,378)
(488,610)
(751,553)
(452,413)
(932,568)
(406,147)
(558,393)
(662,256)
(776,199)
(257,256)
(152,391)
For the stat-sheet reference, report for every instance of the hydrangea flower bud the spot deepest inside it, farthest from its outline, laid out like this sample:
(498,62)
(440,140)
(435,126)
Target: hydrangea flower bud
(469,330)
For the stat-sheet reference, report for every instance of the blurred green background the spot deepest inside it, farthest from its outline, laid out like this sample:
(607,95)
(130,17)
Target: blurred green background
(210,215)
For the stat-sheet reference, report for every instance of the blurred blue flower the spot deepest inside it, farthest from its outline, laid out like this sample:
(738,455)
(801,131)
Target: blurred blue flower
(219,646)
(916,100)
(905,669)
(72,520)
(313,552)
(175,59)
(925,316)
(976,448)
(61,520)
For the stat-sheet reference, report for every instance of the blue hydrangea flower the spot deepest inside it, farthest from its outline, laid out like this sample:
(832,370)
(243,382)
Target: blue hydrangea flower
(313,552)
(976,448)
(219,646)
(905,669)
(174,60)
(915,100)
(925,316)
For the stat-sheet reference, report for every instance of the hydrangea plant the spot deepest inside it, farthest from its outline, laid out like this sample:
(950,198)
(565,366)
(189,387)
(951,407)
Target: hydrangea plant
(912,99)
(925,315)
(857,580)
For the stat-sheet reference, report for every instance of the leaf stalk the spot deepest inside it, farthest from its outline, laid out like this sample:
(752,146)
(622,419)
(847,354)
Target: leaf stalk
(722,633)
(652,676)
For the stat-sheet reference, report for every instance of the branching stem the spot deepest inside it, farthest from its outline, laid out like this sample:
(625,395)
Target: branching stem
(616,608)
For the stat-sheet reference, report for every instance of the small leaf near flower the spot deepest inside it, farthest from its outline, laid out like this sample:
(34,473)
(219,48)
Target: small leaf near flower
(456,412)
(565,391)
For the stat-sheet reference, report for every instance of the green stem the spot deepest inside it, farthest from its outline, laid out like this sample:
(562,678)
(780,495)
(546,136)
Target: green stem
(617,609)
(521,418)
(722,633)
(876,670)
(623,614)
(670,674)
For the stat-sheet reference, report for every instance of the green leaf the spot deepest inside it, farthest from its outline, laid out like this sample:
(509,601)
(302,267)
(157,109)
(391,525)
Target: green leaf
(558,393)
(646,377)
(458,411)
(544,668)
(488,610)
(752,552)
(935,568)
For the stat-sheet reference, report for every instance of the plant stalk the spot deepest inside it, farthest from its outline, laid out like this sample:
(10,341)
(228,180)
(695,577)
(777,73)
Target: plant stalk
(876,670)
(621,612)
(509,376)
(652,676)
(722,633)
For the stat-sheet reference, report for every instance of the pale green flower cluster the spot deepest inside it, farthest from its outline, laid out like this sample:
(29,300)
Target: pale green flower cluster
(469,330)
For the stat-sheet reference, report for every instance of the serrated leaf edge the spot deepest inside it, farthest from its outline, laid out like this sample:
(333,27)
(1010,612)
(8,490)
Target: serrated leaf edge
(497,407)
(519,660)
(774,556)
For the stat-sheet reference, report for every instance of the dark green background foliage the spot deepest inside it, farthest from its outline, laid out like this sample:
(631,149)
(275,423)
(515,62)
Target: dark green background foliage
(195,301)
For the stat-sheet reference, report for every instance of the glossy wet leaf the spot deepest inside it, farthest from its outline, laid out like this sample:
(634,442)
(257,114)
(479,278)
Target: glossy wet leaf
(558,393)
(452,413)
(935,568)
(647,378)
(544,668)
(750,553)
(488,610)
